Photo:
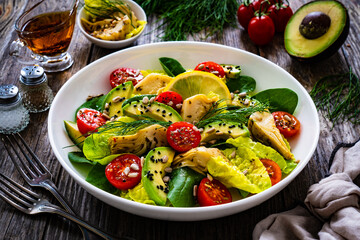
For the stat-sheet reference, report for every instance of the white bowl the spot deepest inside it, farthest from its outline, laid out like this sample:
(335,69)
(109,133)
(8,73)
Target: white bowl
(139,13)
(94,79)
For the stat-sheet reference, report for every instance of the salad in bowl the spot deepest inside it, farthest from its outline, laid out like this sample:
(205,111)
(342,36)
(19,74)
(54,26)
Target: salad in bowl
(179,137)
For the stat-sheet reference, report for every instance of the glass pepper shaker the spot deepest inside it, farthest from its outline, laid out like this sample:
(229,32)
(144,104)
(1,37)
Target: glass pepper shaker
(37,95)
(14,117)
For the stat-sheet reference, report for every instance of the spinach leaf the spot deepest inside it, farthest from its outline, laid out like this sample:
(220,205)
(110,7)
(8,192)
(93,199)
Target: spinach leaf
(94,103)
(78,157)
(97,178)
(280,99)
(181,187)
(171,66)
(242,84)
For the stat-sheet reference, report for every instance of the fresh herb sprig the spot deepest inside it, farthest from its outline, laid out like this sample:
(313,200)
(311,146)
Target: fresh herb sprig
(187,17)
(236,114)
(125,128)
(339,96)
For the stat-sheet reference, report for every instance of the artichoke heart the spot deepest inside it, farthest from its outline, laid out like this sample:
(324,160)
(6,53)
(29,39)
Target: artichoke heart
(262,127)
(152,83)
(197,158)
(140,142)
(195,107)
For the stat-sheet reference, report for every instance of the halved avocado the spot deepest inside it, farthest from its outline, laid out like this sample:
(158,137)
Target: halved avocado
(308,34)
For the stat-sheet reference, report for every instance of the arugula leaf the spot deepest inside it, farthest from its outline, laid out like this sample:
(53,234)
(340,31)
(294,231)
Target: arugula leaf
(94,103)
(242,84)
(181,187)
(97,178)
(78,157)
(171,66)
(280,99)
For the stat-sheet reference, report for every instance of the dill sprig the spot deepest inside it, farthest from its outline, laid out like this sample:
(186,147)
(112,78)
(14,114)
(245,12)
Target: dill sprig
(125,128)
(233,113)
(187,17)
(339,96)
(107,8)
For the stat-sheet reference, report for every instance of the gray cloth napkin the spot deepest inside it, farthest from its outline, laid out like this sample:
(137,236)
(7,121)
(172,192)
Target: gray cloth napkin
(332,205)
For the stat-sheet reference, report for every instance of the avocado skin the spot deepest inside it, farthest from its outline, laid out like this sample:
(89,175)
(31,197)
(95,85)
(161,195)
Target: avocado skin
(333,48)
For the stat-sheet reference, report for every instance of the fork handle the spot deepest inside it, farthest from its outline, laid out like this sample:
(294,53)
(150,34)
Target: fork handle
(51,187)
(50,208)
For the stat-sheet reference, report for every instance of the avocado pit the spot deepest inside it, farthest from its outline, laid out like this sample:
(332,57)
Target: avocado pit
(315,25)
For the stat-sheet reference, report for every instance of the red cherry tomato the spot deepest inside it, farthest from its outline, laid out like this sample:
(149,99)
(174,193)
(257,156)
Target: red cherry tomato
(211,67)
(183,136)
(244,14)
(286,123)
(273,170)
(263,5)
(89,120)
(280,14)
(124,172)
(170,98)
(212,193)
(122,75)
(261,30)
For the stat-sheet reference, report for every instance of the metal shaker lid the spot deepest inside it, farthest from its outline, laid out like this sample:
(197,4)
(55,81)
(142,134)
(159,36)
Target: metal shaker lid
(32,75)
(9,94)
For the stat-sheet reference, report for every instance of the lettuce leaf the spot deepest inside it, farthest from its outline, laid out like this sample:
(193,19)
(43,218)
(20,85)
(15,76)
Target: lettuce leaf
(244,171)
(139,194)
(263,151)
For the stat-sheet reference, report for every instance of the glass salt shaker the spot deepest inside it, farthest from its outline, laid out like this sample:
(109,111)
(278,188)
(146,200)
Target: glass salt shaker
(37,95)
(14,117)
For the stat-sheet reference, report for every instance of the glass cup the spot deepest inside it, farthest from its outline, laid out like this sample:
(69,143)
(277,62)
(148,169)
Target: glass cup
(46,29)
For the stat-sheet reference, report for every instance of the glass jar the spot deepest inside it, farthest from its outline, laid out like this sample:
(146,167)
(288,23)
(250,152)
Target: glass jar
(37,95)
(14,117)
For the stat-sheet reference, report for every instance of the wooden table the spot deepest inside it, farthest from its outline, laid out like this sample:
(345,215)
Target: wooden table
(16,225)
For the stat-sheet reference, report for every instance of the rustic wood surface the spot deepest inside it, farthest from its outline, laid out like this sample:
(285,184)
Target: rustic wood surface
(16,225)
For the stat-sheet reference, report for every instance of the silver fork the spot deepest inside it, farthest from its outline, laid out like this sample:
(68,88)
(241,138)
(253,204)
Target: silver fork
(34,171)
(30,202)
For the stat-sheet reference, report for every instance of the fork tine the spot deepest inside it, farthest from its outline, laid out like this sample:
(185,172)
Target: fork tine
(11,202)
(20,170)
(30,161)
(37,160)
(33,175)
(14,200)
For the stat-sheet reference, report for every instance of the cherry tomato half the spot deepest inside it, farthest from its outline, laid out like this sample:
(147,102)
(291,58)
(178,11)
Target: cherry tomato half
(261,30)
(124,172)
(183,136)
(273,170)
(211,67)
(122,75)
(280,14)
(286,123)
(244,14)
(212,193)
(171,99)
(89,120)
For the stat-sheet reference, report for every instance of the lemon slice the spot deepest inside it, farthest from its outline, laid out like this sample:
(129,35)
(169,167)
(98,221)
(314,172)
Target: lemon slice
(197,82)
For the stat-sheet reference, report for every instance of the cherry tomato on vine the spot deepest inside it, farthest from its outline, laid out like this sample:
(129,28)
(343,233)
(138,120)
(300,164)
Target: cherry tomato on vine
(280,14)
(171,99)
(124,172)
(89,120)
(286,123)
(122,75)
(245,13)
(212,193)
(211,67)
(273,170)
(263,4)
(261,30)
(183,136)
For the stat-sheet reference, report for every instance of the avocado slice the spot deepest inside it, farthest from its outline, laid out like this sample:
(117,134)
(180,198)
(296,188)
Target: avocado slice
(156,166)
(74,133)
(223,130)
(309,36)
(152,109)
(231,71)
(115,98)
